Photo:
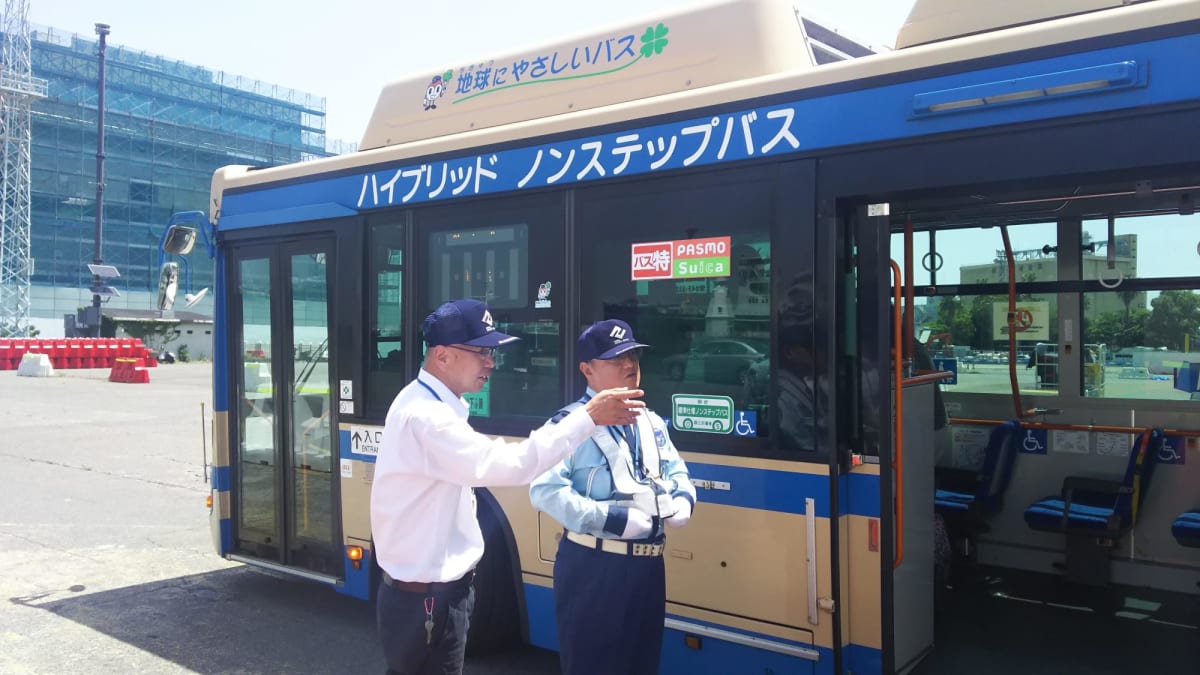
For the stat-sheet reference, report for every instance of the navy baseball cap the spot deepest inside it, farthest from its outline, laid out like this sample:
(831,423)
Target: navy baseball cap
(463,322)
(606,339)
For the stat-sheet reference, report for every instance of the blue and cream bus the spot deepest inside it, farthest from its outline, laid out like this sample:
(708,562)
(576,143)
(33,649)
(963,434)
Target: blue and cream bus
(786,217)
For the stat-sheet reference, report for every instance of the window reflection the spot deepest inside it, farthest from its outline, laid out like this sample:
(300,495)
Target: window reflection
(507,253)
(706,312)
(256,429)
(526,372)
(387,374)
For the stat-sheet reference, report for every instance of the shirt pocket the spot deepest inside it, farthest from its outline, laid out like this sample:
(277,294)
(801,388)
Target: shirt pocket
(593,481)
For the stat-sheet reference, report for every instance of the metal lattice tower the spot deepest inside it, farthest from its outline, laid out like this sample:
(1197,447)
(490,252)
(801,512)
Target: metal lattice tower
(18,90)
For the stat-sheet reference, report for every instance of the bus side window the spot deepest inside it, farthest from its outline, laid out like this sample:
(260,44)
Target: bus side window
(508,253)
(386,374)
(687,263)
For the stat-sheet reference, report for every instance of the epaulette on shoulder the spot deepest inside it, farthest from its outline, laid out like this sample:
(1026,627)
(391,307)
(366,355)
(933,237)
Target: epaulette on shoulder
(566,410)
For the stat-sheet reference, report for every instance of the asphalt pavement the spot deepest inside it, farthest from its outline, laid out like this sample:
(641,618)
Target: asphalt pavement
(106,560)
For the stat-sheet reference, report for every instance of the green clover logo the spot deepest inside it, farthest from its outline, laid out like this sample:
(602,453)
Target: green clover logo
(653,40)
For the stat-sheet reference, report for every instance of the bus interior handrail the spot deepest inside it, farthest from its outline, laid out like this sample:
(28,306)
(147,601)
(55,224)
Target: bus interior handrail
(1012,321)
(898,422)
(1062,426)
(905,319)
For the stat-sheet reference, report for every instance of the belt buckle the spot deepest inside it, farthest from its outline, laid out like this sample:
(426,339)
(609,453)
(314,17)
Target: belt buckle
(644,549)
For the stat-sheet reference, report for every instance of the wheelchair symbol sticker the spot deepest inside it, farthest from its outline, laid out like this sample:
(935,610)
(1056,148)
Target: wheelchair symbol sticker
(746,424)
(1172,451)
(1034,442)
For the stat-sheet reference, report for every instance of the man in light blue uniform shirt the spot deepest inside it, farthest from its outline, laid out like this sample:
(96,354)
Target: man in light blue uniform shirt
(615,495)
(427,537)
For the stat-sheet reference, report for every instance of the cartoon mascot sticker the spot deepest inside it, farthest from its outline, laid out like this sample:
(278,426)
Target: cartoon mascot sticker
(437,89)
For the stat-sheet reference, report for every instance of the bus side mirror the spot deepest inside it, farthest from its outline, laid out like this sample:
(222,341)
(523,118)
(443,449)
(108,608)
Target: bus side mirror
(179,240)
(168,279)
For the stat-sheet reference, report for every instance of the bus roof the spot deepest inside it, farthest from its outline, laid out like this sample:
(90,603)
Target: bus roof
(783,71)
(663,54)
(639,59)
(937,20)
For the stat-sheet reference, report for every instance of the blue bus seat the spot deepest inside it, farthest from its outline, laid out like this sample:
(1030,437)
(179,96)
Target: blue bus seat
(966,499)
(1186,528)
(972,495)
(1094,512)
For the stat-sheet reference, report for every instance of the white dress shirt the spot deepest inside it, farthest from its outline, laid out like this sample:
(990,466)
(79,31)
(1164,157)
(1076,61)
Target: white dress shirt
(422,505)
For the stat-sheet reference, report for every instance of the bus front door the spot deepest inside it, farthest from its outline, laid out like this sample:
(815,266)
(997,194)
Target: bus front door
(283,443)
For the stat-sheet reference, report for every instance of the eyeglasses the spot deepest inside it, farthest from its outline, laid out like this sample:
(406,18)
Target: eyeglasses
(484,352)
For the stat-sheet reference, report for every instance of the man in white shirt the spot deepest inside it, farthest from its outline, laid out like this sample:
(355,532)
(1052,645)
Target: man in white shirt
(427,537)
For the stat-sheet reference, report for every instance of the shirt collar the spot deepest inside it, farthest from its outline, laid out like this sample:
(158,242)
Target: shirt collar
(444,393)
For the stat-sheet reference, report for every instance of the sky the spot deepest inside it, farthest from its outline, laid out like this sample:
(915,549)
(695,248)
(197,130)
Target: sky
(347,50)
(1166,245)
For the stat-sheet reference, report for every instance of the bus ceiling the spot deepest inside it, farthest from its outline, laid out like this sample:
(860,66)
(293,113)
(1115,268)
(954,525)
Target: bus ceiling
(936,20)
(652,56)
(970,208)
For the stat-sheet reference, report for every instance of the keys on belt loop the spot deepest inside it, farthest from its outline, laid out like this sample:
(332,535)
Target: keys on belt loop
(429,603)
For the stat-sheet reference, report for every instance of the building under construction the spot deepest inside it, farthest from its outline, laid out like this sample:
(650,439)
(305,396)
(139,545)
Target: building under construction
(168,126)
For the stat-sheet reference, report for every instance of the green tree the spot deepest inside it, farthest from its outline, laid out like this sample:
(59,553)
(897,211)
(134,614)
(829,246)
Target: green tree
(1128,297)
(153,334)
(1027,278)
(1174,314)
(980,318)
(953,318)
(948,308)
(1118,329)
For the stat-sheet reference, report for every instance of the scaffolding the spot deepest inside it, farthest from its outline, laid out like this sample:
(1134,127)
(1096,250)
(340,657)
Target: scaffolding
(168,126)
(18,90)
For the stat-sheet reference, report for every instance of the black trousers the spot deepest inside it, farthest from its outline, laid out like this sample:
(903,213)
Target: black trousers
(610,610)
(401,619)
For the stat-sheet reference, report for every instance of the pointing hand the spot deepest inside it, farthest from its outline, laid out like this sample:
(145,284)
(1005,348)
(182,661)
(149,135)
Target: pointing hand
(615,406)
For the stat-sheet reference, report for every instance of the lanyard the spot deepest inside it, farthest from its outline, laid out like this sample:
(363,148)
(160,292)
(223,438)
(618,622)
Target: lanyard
(431,391)
(631,440)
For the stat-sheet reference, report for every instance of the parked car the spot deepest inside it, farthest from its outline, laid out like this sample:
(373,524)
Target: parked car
(718,361)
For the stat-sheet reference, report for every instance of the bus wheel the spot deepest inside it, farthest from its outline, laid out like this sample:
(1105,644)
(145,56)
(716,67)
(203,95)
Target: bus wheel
(494,621)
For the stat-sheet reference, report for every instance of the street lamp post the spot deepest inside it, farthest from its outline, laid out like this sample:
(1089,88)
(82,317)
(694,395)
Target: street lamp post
(102,29)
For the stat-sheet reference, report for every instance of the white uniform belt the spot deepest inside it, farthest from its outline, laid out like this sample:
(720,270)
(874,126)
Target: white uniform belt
(614,546)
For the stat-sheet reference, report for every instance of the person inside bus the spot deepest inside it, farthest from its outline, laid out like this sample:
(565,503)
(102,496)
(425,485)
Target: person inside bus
(427,536)
(615,495)
(794,369)
(943,441)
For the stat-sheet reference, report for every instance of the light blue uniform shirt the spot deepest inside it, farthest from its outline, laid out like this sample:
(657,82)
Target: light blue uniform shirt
(576,492)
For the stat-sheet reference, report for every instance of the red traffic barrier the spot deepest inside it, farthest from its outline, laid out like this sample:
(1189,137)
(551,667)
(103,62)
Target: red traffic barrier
(129,370)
